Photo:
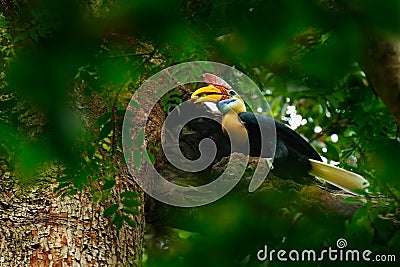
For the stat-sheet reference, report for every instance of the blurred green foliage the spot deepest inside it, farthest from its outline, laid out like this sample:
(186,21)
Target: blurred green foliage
(68,69)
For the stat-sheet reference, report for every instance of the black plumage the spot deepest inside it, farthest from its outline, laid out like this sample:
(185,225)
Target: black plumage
(291,152)
(294,157)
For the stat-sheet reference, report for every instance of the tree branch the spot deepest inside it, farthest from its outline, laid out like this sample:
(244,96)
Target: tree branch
(274,195)
(382,66)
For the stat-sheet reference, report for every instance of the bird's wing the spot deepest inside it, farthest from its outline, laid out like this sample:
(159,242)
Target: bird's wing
(296,141)
(290,138)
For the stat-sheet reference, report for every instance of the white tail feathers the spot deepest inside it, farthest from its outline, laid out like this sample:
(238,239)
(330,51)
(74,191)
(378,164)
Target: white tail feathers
(339,177)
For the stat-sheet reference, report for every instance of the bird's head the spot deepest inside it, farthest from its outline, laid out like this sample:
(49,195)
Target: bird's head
(216,90)
(220,92)
(235,104)
(213,93)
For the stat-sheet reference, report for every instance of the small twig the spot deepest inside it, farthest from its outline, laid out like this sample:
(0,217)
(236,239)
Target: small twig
(150,55)
(131,55)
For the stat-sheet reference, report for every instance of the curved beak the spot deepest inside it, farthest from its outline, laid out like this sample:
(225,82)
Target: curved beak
(210,93)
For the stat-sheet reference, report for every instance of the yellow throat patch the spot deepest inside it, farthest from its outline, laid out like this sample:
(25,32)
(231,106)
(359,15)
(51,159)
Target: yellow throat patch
(231,123)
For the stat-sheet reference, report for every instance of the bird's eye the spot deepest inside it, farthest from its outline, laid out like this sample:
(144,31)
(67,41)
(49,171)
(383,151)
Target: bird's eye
(232,93)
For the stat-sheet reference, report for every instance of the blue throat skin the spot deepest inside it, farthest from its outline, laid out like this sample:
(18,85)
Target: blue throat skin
(225,105)
(235,104)
(231,123)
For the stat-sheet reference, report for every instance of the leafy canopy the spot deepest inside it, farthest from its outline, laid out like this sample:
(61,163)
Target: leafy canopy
(62,58)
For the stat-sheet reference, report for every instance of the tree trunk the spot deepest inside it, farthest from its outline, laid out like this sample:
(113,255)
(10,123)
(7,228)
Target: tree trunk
(382,66)
(39,228)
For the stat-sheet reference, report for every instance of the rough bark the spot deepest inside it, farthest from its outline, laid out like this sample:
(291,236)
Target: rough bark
(382,66)
(39,228)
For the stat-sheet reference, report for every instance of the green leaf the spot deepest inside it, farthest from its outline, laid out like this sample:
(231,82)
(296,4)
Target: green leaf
(64,179)
(176,99)
(137,158)
(130,203)
(71,192)
(183,234)
(128,113)
(151,157)
(33,34)
(134,104)
(129,124)
(120,113)
(106,147)
(114,71)
(332,151)
(130,211)
(110,210)
(80,180)
(129,194)
(94,178)
(109,184)
(96,197)
(106,130)
(129,221)
(103,119)
(90,151)
(117,220)
(140,138)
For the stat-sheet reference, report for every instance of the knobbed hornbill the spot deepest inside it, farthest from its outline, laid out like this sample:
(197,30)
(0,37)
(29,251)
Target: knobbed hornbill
(294,157)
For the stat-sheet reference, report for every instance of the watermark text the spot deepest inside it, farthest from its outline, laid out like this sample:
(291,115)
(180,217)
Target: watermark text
(330,254)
